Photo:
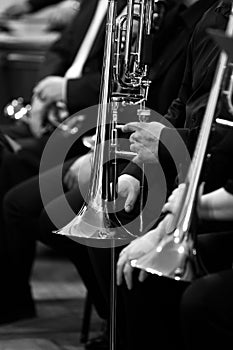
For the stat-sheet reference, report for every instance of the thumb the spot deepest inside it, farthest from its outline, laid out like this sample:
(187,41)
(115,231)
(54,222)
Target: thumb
(201,190)
(130,200)
(142,276)
(137,160)
(130,127)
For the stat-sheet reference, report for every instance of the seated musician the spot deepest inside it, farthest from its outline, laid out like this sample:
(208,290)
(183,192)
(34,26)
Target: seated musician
(17,167)
(17,230)
(207,302)
(188,108)
(23,210)
(54,86)
(202,306)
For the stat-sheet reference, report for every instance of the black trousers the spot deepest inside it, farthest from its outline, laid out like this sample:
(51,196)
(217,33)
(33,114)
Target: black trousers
(151,310)
(26,221)
(149,314)
(18,167)
(207,312)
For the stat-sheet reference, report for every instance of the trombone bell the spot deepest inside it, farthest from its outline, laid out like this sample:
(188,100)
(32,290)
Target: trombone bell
(92,222)
(170,259)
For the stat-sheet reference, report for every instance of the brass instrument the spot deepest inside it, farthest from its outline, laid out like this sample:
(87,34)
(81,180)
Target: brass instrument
(57,116)
(175,256)
(124,83)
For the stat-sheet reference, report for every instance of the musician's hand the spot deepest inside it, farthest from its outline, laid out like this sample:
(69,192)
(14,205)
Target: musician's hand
(174,201)
(128,187)
(17,10)
(135,250)
(37,115)
(51,89)
(63,14)
(144,140)
(79,173)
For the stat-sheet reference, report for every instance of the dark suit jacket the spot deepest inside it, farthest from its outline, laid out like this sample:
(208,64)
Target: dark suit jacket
(169,53)
(39,4)
(83,92)
(199,73)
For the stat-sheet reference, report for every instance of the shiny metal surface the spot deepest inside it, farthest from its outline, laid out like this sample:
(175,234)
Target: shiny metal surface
(57,116)
(175,256)
(123,70)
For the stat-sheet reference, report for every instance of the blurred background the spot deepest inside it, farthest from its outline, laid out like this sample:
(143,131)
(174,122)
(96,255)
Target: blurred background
(59,295)
(23,43)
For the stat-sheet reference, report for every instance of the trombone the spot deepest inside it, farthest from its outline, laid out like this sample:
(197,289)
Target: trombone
(176,256)
(124,83)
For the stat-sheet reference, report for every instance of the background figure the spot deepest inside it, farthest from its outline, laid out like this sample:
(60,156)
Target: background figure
(88,86)
(77,92)
(58,20)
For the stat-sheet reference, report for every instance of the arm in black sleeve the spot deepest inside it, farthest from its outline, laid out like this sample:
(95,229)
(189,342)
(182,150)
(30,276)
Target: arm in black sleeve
(219,172)
(60,55)
(37,5)
(229,186)
(83,92)
(176,114)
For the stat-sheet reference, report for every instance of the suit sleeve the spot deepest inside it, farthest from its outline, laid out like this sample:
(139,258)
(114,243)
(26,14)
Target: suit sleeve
(37,5)
(61,53)
(176,114)
(83,91)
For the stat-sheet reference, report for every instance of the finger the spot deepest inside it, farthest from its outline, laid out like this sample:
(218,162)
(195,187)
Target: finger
(40,132)
(171,197)
(128,270)
(167,207)
(43,95)
(130,200)
(135,147)
(37,132)
(120,266)
(142,276)
(132,138)
(40,88)
(75,183)
(123,258)
(72,181)
(37,89)
(69,180)
(65,179)
(130,127)
(137,160)
(201,189)
(40,94)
